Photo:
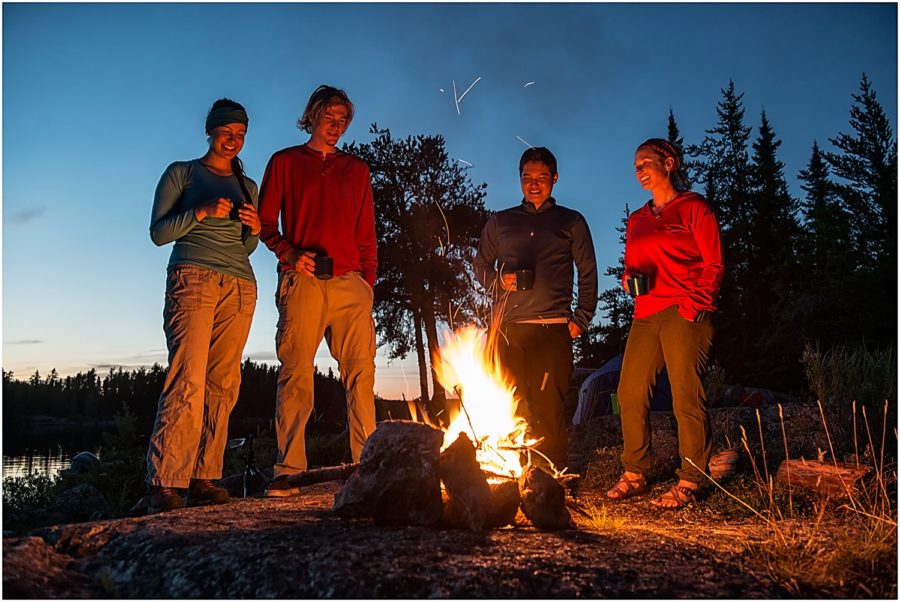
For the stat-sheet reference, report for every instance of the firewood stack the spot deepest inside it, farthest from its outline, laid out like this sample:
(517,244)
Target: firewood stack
(398,481)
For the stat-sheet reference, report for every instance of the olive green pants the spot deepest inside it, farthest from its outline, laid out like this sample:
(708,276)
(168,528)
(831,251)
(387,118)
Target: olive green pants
(207,320)
(666,339)
(340,310)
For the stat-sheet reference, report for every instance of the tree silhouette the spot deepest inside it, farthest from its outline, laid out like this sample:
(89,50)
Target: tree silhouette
(428,220)
(867,172)
(723,167)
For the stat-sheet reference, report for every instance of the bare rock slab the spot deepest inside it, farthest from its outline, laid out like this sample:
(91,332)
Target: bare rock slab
(397,481)
(543,500)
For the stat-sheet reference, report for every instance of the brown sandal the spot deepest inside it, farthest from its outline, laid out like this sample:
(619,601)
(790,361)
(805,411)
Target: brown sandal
(633,487)
(681,495)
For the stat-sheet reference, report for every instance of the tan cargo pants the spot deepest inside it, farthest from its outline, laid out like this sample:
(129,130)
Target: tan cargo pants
(340,310)
(207,320)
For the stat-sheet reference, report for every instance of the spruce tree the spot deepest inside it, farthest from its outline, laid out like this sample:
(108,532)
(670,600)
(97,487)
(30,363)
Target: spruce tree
(867,172)
(868,168)
(773,269)
(827,270)
(723,167)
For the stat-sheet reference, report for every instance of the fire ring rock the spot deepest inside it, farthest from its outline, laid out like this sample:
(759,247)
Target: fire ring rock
(543,500)
(469,495)
(397,479)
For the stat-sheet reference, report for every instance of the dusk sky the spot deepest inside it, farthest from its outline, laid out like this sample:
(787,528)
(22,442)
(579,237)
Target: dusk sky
(98,99)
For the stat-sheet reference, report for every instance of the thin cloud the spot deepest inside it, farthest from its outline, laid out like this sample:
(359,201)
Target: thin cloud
(25,216)
(24,342)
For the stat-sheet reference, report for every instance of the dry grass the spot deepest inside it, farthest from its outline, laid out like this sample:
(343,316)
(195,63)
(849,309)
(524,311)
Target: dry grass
(812,545)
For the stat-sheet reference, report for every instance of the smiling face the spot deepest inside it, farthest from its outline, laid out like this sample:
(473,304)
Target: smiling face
(537,182)
(226,141)
(330,126)
(652,169)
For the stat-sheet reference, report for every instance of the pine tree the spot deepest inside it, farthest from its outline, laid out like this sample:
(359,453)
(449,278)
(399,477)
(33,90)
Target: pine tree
(868,166)
(673,135)
(827,271)
(773,270)
(867,172)
(723,167)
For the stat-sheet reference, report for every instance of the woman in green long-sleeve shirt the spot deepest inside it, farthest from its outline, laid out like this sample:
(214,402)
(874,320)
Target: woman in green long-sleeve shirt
(207,207)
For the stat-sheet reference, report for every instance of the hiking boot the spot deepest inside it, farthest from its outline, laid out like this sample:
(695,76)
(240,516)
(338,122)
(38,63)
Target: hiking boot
(163,499)
(203,492)
(281,488)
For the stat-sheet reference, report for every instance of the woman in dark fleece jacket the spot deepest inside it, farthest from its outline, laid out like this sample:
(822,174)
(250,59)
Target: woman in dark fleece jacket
(673,268)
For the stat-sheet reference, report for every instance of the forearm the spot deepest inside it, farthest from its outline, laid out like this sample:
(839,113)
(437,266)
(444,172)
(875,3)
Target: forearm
(586,264)
(165,224)
(486,256)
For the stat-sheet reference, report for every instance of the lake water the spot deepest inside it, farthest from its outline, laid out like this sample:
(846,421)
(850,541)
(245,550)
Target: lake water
(29,450)
(49,462)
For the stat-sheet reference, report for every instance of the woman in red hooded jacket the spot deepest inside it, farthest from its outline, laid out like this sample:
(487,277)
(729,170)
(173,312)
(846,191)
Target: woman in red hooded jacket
(673,268)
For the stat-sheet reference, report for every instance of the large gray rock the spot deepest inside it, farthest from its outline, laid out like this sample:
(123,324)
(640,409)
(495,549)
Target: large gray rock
(397,480)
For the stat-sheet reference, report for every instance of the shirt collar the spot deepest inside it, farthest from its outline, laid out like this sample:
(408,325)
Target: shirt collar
(545,206)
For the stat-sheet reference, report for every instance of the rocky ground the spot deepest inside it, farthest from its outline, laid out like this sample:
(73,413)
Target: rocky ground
(297,548)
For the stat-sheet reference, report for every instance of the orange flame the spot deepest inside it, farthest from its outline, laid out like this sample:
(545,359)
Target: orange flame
(467,363)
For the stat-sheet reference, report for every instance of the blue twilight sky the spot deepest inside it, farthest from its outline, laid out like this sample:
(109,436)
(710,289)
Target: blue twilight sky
(99,98)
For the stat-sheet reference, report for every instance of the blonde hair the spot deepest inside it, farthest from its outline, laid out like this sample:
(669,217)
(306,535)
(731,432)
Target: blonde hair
(319,101)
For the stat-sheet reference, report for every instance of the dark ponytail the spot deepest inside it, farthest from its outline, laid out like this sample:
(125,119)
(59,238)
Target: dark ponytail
(237,168)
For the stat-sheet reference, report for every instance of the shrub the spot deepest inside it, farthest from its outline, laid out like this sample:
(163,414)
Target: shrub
(846,376)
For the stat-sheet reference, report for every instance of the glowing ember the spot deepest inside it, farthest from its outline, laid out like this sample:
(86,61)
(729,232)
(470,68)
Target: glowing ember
(467,363)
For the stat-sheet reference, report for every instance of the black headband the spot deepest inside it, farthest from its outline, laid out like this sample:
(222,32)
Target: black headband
(225,115)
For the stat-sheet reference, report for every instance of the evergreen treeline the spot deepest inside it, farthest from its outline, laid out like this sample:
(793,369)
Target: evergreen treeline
(89,395)
(818,270)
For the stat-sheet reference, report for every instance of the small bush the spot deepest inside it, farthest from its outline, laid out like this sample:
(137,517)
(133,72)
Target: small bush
(843,376)
(35,490)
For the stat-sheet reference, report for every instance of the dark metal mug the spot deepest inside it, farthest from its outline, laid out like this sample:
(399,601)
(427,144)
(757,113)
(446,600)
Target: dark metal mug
(524,280)
(324,267)
(637,285)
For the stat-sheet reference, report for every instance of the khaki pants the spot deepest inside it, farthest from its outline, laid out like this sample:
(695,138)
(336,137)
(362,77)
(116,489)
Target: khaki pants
(340,310)
(666,339)
(207,320)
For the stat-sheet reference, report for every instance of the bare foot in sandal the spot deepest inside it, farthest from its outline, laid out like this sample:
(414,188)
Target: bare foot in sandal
(677,497)
(629,485)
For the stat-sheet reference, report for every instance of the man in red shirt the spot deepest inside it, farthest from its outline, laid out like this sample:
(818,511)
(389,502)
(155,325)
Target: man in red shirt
(326,273)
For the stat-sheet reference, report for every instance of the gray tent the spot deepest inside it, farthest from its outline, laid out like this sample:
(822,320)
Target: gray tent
(594,394)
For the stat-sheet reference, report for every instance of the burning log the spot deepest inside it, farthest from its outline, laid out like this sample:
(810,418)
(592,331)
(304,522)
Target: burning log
(835,479)
(468,493)
(543,500)
(397,479)
(504,504)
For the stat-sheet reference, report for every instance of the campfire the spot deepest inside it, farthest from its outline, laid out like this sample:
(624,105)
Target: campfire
(468,365)
(470,475)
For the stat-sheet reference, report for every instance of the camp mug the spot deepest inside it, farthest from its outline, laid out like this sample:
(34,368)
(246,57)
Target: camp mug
(324,267)
(637,284)
(524,280)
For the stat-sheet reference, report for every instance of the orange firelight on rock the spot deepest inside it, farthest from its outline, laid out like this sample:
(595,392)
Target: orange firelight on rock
(467,363)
